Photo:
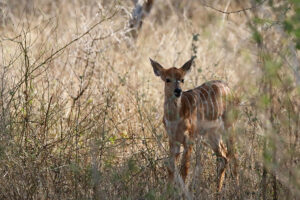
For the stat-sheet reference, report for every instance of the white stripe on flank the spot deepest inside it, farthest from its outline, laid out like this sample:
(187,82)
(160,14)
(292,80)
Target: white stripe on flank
(204,101)
(226,90)
(199,100)
(215,97)
(220,87)
(196,102)
(212,105)
(188,102)
(192,97)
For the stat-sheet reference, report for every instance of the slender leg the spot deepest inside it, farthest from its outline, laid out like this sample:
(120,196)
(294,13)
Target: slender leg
(222,163)
(185,162)
(174,155)
(221,153)
(231,145)
(232,155)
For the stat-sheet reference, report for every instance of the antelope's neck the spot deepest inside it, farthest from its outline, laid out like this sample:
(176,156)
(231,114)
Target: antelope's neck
(172,108)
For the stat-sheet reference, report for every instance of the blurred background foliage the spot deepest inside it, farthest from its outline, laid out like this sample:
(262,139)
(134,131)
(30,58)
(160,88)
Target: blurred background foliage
(81,110)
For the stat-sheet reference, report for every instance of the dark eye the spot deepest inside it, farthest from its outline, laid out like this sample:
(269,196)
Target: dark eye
(168,80)
(182,80)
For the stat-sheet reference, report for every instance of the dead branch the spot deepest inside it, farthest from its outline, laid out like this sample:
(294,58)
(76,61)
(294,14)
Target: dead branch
(231,12)
(141,9)
(52,56)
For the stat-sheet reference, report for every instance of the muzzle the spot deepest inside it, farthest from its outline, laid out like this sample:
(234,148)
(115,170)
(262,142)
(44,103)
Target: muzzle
(177,92)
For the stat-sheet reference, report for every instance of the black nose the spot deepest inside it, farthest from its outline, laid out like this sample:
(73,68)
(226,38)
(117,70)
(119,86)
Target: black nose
(177,92)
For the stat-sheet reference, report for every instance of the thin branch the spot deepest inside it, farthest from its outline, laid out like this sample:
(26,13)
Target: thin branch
(74,40)
(60,50)
(231,12)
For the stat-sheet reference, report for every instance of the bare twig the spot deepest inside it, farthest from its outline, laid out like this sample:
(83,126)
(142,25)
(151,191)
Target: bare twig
(232,12)
(50,58)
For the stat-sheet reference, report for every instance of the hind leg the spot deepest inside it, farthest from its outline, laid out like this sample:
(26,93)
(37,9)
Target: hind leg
(222,163)
(229,133)
(232,154)
(220,150)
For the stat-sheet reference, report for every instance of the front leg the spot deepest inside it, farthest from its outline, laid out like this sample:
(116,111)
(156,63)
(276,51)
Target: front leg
(174,155)
(186,157)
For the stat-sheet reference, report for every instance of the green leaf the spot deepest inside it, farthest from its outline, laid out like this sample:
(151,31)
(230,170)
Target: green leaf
(112,139)
(132,165)
(298,44)
(267,156)
(150,195)
(74,167)
(296,2)
(265,100)
(262,21)
(288,26)
(257,37)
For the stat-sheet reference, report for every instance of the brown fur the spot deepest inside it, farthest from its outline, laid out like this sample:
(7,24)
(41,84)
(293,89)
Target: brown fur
(200,111)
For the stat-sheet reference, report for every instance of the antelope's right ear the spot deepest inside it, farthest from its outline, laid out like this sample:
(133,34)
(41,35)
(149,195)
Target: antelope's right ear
(157,68)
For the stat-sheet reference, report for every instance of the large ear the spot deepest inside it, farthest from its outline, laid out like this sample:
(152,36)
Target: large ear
(157,68)
(187,66)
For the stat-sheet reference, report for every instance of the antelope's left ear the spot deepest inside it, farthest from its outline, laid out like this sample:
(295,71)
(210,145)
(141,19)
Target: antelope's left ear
(187,66)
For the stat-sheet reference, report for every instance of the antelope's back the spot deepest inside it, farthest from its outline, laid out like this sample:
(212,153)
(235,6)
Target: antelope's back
(209,101)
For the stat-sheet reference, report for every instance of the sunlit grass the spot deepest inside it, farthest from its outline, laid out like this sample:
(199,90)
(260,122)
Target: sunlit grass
(87,123)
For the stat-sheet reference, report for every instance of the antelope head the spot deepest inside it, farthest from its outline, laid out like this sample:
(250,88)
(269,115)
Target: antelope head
(173,77)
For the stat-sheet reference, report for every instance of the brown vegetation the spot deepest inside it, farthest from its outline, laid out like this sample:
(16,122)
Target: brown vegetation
(81,111)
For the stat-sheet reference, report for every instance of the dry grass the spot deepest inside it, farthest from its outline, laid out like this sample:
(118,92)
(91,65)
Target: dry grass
(83,121)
